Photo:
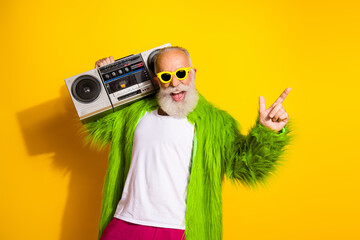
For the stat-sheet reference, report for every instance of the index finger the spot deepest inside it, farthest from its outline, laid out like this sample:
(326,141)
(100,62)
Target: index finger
(282,97)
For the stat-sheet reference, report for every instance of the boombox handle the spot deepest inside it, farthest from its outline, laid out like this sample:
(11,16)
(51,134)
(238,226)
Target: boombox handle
(123,57)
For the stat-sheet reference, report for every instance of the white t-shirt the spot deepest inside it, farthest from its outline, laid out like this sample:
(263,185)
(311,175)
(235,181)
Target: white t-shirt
(155,189)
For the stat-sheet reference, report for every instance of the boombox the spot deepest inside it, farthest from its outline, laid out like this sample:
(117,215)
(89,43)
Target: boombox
(100,91)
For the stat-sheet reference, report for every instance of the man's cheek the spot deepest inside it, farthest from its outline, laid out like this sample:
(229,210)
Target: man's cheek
(164,86)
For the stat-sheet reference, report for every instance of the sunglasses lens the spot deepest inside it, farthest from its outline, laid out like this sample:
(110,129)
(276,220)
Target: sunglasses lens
(181,74)
(166,77)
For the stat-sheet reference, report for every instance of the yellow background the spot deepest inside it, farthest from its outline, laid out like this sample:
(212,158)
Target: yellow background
(51,185)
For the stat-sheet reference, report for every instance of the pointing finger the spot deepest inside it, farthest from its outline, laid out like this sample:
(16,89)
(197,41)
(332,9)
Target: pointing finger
(282,97)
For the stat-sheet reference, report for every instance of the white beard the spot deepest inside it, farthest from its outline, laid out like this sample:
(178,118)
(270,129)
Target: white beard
(178,109)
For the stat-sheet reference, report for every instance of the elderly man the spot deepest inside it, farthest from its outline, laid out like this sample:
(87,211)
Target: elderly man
(170,152)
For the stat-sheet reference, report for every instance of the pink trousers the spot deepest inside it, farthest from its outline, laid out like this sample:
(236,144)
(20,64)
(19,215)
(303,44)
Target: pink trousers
(118,229)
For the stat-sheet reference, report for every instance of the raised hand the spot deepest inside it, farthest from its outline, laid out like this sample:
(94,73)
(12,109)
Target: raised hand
(104,61)
(275,117)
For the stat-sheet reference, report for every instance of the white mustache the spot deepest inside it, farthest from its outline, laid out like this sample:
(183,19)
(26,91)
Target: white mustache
(179,88)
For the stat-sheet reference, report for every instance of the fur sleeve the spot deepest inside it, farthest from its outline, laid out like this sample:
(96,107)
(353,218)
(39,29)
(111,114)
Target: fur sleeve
(251,159)
(99,133)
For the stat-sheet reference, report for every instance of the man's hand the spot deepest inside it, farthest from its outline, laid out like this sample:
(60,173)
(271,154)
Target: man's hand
(104,61)
(275,116)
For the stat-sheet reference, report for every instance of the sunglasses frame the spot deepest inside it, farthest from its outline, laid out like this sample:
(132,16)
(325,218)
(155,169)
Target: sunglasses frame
(187,70)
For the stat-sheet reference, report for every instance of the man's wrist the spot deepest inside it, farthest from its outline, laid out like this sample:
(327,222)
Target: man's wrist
(282,130)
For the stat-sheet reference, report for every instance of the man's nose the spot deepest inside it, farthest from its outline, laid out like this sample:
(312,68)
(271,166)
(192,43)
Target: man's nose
(175,81)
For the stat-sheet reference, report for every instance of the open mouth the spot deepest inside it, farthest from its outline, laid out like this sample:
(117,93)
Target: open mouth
(178,96)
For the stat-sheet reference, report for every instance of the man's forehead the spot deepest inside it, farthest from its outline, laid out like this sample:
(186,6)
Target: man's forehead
(172,60)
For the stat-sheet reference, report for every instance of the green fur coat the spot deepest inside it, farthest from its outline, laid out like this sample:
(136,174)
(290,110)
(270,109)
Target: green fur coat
(219,149)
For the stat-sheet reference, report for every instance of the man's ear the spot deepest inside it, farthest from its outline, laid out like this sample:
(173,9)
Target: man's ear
(156,80)
(194,72)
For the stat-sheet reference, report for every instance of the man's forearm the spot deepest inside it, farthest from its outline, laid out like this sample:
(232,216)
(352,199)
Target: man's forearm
(256,156)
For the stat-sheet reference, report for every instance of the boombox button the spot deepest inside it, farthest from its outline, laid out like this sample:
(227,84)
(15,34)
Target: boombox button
(126,69)
(107,76)
(120,71)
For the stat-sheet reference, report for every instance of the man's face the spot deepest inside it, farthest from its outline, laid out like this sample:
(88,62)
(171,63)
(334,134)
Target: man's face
(177,98)
(171,61)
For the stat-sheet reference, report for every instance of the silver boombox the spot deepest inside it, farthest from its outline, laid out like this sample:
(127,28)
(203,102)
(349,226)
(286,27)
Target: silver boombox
(98,92)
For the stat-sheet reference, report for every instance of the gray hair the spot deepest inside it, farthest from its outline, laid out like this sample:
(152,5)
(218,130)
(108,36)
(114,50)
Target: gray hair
(166,49)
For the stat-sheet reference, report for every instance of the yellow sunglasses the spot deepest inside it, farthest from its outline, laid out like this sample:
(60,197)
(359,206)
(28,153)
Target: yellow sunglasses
(180,73)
